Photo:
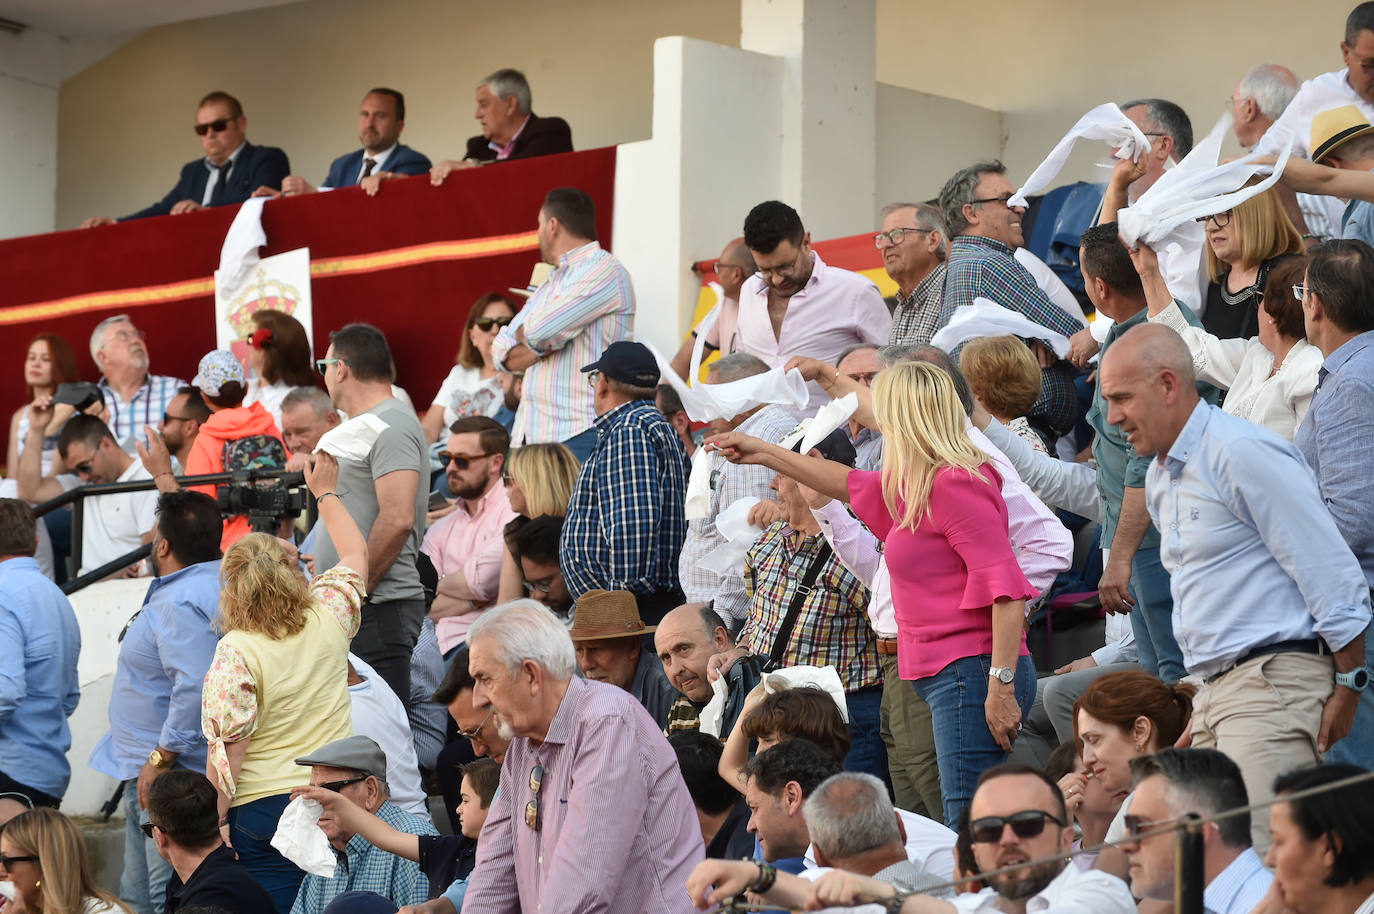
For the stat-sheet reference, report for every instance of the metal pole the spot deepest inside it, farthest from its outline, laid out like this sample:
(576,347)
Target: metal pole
(109,568)
(1189,875)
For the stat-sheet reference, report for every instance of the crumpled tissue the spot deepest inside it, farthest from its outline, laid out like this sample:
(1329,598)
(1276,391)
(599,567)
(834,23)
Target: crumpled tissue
(298,838)
(987,318)
(713,715)
(821,677)
(732,524)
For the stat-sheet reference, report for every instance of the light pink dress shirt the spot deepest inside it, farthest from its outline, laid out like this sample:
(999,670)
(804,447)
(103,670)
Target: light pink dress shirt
(836,309)
(472,544)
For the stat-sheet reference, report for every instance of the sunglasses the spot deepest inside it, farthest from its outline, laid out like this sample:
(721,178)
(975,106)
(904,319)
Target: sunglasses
(8,862)
(1025,824)
(461,461)
(476,732)
(1136,826)
(486,323)
(83,468)
(168,418)
(338,786)
(218,126)
(532,807)
(148,828)
(323,364)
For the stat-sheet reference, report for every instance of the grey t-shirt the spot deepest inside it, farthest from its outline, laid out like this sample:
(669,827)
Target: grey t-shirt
(400,447)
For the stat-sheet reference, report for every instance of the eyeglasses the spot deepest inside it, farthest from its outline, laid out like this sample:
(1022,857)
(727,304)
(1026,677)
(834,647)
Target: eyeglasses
(8,862)
(486,323)
(323,364)
(722,265)
(128,336)
(1299,290)
(148,828)
(863,377)
(507,479)
(461,461)
(592,377)
(896,236)
(1002,198)
(83,468)
(219,125)
(532,807)
(543,585)
(1025,824)
(476,732)
(168,418)
(1222,219)
(1139,825)
(338,786)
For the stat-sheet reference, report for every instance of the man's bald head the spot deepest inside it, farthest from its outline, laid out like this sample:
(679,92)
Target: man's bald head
(1147,379)
(685,640)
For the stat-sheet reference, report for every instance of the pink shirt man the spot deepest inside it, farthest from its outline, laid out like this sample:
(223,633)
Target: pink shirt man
(472,544)
(835,310)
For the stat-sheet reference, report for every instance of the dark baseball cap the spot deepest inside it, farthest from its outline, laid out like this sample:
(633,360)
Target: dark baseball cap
(627,362)
(835,446)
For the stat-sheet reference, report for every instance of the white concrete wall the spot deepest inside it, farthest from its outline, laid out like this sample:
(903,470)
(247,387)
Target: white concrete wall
(923,139)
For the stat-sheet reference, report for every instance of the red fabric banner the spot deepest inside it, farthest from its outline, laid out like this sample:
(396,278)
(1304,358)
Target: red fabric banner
(410,260)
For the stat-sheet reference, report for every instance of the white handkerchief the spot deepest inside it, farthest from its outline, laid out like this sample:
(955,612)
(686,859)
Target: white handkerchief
(713,714)
(1105,122)
(353,439)
(828,418)
(698,502)
(987,318)
(733,524)
(1197,187)
(704,402)
(9,892)
(299,839)
(239,254)
(821,677)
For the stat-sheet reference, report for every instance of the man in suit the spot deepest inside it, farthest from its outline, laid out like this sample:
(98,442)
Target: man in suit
(510,130)
(381,119)
(231,171)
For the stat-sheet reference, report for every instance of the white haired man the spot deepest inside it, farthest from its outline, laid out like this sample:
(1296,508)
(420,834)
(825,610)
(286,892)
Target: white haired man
(578,822)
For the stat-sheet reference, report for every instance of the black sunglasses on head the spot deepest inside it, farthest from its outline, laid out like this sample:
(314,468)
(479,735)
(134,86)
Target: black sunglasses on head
(1026,824)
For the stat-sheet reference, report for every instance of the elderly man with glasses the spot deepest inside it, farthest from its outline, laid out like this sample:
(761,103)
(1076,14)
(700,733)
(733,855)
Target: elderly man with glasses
(579,823)
(231,171)
(913,241)
(466,545)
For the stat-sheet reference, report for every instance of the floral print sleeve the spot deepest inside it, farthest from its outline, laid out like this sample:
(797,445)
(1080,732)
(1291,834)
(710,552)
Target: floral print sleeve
(340,591)
(228,709)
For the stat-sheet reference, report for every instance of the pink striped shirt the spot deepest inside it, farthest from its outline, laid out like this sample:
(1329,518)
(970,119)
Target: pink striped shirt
(586,304)
(618,833)
(472,544)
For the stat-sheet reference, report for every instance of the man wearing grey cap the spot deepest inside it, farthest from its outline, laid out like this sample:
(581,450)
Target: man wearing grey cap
(356,768)
(625,524)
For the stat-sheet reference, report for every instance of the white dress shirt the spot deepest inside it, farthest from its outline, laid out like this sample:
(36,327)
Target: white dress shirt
(379,158)
(379,715)
(1073,891)
(215,173)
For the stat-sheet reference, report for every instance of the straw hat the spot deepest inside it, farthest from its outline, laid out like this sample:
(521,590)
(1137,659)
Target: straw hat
(1333,127)
(538,276)
(607,614)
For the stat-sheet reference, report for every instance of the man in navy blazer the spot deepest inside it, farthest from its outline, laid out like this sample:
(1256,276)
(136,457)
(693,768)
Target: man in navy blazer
(510,129)
(381,119)
(231,171)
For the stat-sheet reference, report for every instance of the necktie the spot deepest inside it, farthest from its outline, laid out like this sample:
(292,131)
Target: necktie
(217,195)
(368,165)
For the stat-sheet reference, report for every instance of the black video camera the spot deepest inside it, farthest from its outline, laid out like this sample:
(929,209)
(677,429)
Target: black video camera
(266,501)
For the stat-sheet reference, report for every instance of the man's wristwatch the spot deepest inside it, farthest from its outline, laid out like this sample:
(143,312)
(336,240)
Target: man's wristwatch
(1357,679)
(900,893)
(1003,674)
(158,760)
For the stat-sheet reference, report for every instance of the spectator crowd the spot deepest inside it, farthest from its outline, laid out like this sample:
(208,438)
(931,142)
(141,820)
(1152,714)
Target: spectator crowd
(586,633)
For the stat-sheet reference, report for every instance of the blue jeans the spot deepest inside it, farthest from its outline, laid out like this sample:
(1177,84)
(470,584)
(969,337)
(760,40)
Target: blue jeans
(1358,747)
(251,827)
(964,747)
(867,752)
(581,445)
(1152,620)
(143,884)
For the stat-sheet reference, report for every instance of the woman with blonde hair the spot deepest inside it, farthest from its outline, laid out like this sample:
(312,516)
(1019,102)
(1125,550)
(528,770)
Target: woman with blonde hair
(44,856)
(1242,244)
(277,688)
(959,594)
(539,480)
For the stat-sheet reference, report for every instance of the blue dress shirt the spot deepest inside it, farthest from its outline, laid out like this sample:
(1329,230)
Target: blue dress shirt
(162,663)
(1253,555)
(39,645)
(1240,887)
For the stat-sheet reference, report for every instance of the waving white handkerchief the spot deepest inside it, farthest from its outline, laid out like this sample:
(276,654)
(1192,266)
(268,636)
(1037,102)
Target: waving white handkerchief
(353,439)
(1105,122)
(740,535)
(1198,187)
(239,253)
(829,417)
(698,503)
(987,318)
(704,402)
(299,839)
(713,714)
(820,677)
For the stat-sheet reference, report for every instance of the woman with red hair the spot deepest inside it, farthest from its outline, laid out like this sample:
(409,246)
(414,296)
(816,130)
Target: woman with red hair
(279,360)
(50,362)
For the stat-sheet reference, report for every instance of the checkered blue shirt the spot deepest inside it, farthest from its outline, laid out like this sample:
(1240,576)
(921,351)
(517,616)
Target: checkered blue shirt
(625,523)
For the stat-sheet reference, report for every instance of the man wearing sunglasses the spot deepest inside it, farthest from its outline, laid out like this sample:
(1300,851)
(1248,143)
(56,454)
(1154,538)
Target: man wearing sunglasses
(230,171)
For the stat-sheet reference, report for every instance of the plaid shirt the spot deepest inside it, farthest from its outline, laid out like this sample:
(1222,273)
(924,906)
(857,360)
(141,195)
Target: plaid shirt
(364,868)
(625,524)
(149,403)
(832,628)
(917,316)
(729,483)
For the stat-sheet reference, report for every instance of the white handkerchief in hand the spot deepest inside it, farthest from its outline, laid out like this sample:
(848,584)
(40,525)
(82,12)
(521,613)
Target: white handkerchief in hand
(828,418)
(821,677)
(987,318)
(698,502)
(740,535)
(714,713)
(353,439)
(1105,122)
(299,839)
(9,893)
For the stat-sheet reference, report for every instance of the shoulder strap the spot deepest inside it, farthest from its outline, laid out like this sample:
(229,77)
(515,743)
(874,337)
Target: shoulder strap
(799,596)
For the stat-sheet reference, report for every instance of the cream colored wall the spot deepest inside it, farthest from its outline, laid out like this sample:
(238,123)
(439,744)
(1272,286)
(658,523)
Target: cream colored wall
(300,71)
(922,139)
(1044,62)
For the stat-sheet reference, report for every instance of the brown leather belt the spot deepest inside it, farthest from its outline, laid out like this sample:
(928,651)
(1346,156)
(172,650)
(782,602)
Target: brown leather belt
(887,646)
